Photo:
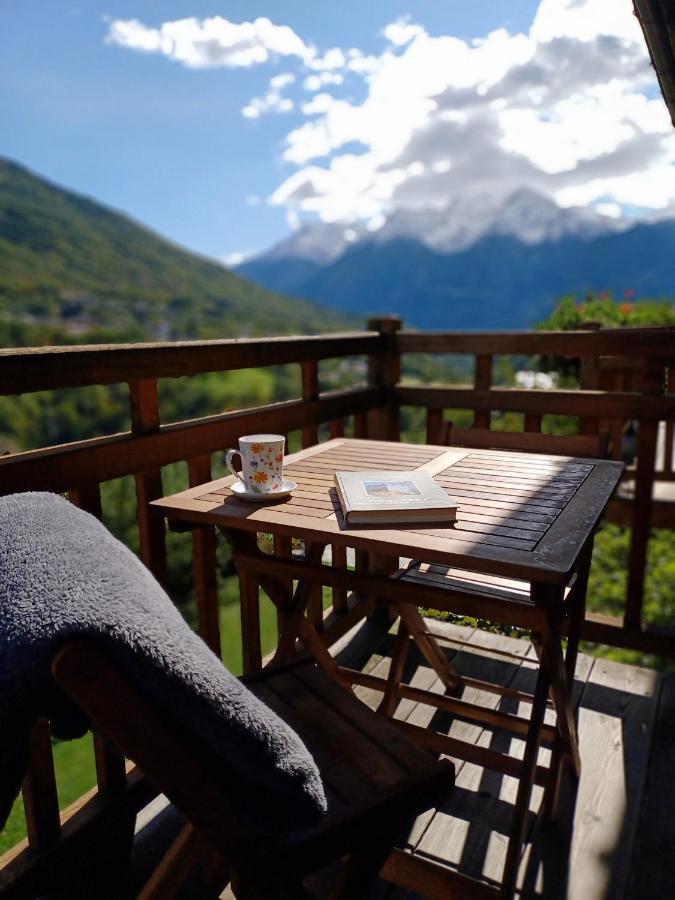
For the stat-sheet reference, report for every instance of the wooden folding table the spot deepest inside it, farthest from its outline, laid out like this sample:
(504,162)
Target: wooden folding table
(520,548)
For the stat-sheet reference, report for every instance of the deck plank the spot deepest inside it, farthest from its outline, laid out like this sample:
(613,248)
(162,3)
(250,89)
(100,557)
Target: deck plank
(617,706)
(460,822)
(652,871)
(615,727)
(624,830)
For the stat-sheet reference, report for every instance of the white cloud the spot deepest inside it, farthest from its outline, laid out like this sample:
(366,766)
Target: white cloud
(569,108)
(608,208)
(401,32)
(331,59)
(564,109)
(213,42)
(584,20)
(272,100)
(279,82)
(317,81)
(320,103)
(237,257)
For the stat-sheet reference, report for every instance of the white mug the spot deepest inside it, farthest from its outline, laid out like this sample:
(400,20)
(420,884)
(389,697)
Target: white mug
(262,462)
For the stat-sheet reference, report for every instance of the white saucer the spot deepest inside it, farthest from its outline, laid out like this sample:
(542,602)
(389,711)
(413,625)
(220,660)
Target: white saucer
(239,490)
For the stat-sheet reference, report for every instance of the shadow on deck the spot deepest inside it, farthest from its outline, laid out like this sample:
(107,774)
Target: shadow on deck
(623,833)
(623,836)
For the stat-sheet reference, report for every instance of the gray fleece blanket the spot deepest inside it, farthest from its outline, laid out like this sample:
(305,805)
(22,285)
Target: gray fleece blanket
(63,575)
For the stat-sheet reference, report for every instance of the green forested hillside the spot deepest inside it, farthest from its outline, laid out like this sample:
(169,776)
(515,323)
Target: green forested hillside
(69,267)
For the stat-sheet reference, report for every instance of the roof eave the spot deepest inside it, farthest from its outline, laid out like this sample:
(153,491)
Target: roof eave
(657,19)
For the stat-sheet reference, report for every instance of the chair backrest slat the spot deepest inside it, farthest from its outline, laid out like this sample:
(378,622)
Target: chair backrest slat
(583,445)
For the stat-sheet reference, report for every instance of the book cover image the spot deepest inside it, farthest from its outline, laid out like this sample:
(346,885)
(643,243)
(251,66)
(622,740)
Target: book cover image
(382,488)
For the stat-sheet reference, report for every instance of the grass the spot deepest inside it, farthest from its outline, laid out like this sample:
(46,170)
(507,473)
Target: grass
(75,774)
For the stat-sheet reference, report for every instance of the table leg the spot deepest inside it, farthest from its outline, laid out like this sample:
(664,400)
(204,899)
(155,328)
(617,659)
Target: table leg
(577,612)
(391,697)
(283,549)
(414,623)
(525,784)
(561,694)
(552,677)
(428,646)
(291,609)
(385,565)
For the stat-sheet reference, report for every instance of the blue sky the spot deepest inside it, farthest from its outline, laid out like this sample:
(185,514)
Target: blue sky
(123,102)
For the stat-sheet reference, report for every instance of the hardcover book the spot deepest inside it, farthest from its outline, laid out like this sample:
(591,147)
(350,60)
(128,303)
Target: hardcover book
(390,497)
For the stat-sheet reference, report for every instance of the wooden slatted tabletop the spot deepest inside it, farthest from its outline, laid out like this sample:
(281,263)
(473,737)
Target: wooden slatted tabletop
(522,515)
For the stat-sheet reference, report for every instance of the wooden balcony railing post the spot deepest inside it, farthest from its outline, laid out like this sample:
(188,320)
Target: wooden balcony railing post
(361,425)
(40,798)
(144,402)
(482,382)
(310,391)
(87,497)
(589,380)
(310,437)
(337,428)
(652,384)
(111,773)
(384,370)
(434,425)
(205,563)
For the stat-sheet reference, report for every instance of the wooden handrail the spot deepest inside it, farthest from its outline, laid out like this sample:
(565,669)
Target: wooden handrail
(45,368)
(652,341)
(571,403)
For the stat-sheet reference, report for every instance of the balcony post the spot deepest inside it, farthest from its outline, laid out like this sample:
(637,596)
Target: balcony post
(310,391)
(589,379)
(653,379)
(384,370)
(144,404)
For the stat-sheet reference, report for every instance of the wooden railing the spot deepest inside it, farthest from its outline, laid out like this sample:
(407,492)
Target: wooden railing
(624,377)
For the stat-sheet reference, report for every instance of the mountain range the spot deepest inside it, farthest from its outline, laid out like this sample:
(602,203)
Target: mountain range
(482,262)
(72,269)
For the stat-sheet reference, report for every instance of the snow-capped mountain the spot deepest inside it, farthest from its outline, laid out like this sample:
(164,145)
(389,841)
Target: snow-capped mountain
(459,265)
(524,214)
(320,242)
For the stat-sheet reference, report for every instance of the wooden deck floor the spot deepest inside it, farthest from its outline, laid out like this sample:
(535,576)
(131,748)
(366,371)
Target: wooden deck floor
(623,835)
